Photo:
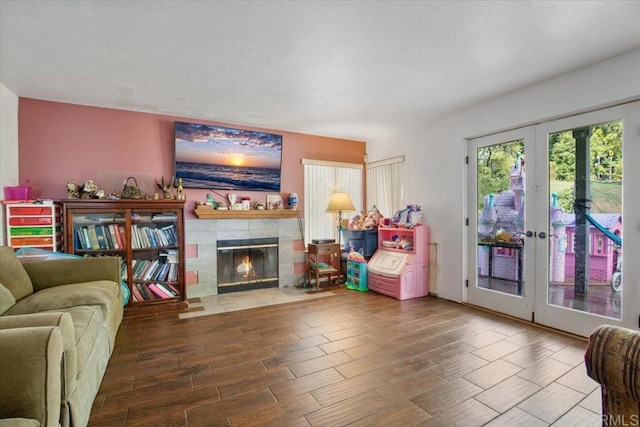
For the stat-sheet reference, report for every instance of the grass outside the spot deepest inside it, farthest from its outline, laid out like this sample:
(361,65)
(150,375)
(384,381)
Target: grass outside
(606,197)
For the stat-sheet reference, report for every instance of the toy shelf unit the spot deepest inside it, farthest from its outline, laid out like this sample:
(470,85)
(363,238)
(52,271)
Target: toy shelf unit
(356,275)
(148,237)
(35,225)
(399,268)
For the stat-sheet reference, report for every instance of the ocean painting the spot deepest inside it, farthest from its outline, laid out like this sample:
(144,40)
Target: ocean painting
(220,158)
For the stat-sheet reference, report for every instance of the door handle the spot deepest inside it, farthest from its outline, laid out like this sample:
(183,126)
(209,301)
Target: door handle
(542,235)
(530,233)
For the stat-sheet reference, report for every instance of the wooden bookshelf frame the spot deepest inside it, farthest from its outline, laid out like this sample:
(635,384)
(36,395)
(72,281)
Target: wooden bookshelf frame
(125,211)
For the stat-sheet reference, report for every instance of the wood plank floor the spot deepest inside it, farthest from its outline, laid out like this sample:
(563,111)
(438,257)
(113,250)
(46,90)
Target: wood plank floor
(355,358)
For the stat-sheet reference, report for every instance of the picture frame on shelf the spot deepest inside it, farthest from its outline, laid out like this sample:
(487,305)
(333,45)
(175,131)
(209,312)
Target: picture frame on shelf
(274,201)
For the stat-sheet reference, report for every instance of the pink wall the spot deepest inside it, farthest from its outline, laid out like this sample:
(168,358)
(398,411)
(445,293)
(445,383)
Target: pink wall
(60,142)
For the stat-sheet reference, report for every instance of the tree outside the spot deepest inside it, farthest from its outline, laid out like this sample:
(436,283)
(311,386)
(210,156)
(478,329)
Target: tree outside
(495,161)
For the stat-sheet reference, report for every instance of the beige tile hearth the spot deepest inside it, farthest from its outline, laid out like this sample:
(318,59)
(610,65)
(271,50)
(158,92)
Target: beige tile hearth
(244,300)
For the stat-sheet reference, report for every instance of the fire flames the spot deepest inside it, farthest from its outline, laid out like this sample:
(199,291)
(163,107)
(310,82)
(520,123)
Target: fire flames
(246,268)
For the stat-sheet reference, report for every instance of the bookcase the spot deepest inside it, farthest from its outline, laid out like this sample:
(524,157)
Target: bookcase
(148,237)
(34,225)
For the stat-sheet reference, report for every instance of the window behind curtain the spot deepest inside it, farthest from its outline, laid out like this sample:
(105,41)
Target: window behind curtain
(384,185)
(321,180)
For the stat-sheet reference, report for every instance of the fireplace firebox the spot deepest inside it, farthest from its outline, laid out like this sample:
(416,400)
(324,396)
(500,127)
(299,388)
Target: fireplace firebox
(246,264)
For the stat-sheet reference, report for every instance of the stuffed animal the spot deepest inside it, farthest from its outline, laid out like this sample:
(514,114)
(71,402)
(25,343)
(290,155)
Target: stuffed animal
(73,191)
(89,190)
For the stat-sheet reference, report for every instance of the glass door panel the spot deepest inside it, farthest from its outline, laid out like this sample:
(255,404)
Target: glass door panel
(580,250)
(498,244)
(585,218)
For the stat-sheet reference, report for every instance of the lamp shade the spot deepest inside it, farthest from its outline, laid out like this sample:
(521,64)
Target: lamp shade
(340,202)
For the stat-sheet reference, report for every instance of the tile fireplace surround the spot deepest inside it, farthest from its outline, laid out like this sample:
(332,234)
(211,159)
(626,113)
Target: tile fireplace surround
(201,236)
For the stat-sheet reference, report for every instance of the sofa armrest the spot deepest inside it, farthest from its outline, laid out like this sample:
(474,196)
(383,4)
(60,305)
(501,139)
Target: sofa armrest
(45,274)
(613,360)
(65,323)
(30,384)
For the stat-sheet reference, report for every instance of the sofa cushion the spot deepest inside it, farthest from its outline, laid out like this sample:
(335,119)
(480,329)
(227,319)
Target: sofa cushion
(87,322)
(6,299)
(101,292)
(13,275)
(19,422)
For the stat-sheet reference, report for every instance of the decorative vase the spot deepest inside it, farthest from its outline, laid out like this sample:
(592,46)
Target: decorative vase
(292,201)
(232,200)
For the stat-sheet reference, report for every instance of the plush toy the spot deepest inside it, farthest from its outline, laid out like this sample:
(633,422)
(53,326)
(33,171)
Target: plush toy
(73,191)
(89,190)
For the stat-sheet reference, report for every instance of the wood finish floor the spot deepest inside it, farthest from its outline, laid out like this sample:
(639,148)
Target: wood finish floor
(358,359)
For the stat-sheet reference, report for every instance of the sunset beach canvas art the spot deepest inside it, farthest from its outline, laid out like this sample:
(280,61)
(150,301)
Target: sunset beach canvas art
(215,157)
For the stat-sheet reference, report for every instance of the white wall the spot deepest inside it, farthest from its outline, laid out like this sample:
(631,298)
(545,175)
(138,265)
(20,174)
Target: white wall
(8,145)
(435,173)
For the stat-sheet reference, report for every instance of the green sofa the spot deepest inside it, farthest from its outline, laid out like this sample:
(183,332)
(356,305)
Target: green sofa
(58,323)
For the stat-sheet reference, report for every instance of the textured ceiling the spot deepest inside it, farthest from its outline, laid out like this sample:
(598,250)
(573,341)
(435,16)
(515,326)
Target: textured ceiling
(352,69)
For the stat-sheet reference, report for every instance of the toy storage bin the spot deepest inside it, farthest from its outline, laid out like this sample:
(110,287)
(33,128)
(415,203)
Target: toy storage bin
(17,193)
(367,240)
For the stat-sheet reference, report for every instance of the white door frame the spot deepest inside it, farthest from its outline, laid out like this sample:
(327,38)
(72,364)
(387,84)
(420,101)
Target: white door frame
(513,305)
(536,268)
(567,319)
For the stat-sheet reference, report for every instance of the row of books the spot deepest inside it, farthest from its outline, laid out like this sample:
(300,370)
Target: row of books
(153,291)
(146,270)
(96,237)
(150,237)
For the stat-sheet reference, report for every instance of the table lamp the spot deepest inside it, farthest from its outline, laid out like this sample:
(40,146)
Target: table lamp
(339,203)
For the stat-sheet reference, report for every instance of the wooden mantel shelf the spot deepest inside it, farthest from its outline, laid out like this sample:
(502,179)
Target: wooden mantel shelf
(203,212)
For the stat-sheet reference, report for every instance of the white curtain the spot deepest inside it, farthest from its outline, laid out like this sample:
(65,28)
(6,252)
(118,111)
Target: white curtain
(321,180)
(384,185)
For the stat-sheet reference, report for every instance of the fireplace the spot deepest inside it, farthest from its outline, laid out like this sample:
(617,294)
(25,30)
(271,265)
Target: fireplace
(245,264)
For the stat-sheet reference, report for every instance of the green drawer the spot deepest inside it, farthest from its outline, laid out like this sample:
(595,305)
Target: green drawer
(31,231)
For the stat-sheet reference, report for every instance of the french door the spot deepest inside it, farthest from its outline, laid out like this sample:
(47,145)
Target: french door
(502,205)
(557,259)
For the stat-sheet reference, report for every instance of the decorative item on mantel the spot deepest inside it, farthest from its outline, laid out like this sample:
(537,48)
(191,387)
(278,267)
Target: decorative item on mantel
(87,190)
(166,187)
(180,191)
(292,201)
(274,201)
(245,202)
(206,211)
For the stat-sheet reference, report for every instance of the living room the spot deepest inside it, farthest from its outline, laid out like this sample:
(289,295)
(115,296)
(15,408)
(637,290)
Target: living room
(50,135)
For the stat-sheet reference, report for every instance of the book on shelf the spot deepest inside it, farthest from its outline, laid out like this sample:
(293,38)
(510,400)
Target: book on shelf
(137,295)
(170,291)
(146,293)
(172,286)
(167,216)
(157,292)
(87,238)
(93,236)
(82,241)
(114,238)
(121,235)
(163,290)
(107,237)
(123,270)
(173,273)
(152,270)
(100,236)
